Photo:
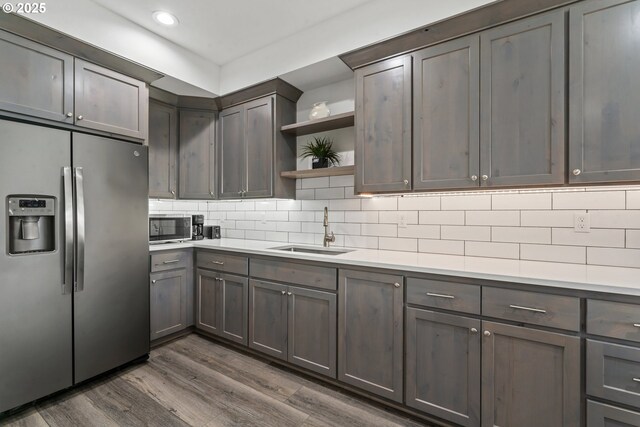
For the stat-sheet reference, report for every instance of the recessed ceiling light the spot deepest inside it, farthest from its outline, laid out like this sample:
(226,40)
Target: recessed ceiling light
(165,18)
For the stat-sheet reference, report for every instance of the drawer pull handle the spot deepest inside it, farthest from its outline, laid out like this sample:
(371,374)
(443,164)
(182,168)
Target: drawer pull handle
(535,310)
(440,295)
(637,380)
(217,262)
(637,325)
(173,261)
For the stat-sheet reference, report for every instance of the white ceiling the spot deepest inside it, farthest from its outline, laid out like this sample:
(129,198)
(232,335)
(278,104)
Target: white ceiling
(223,30)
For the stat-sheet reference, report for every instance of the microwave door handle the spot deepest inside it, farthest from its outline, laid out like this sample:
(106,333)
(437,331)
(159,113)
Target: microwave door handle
(80,229)
(67,286)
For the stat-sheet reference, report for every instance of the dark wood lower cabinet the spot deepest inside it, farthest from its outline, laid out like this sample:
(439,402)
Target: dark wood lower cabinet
(443,365)
(601,415)
(268,318)
(168,302)
(530,378)
(222,305)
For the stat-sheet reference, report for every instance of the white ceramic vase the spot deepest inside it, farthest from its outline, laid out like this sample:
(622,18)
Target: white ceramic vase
(319,111)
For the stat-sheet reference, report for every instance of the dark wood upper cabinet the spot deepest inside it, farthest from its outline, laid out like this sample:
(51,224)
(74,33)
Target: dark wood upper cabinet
(446,127)
(110,102)
(35,80)
(522,95)
(197,155)
(163,150)
(604,137)
(253,151)
(383,126)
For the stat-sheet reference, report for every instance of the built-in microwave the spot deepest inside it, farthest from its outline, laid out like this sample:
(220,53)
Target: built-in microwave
(169,228)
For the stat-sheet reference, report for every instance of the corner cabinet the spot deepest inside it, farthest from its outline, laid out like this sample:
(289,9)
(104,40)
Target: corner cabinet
(197,155)
(370,332)
(383,127)
(252,151)
(604,137)
(163,150)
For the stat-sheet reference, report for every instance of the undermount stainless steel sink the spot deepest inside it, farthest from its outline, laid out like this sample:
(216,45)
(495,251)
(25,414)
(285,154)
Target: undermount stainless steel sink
(312,250)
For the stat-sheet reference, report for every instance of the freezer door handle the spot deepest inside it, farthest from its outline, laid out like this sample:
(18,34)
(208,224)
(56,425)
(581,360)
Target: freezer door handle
(67,286)
(80,229)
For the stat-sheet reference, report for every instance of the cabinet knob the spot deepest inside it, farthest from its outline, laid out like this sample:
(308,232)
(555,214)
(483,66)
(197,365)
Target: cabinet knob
(289,293)
(211,193)
(397,285)
(240,193)
(485,177)
(474,177)
(80,117)
(487,333)
(406,182)
(577,172)
(153,281)
(474,330)
(69,114)
(283,292)
(173,192)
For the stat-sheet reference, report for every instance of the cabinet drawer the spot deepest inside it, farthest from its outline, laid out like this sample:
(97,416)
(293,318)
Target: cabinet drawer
(170,260)
(300,274)
(601,415)
(223,262)
(613,319)
(441,294)
(532,307)
(613,372)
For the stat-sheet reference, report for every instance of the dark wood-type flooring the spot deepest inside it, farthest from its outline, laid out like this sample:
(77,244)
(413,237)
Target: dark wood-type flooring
(193,381)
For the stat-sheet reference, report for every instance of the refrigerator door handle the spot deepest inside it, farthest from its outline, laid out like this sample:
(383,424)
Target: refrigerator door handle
(80,229)
(67,286)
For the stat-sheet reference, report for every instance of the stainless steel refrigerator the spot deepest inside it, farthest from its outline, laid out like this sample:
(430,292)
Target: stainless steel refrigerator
(74,293)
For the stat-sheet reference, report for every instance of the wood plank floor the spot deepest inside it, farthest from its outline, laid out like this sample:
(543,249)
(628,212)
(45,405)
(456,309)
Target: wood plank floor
(195,382)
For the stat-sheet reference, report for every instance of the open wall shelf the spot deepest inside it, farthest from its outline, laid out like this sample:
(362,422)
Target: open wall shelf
(338,121)
(316,173)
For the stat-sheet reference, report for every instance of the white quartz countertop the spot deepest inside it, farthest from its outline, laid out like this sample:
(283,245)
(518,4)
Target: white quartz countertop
(617,280)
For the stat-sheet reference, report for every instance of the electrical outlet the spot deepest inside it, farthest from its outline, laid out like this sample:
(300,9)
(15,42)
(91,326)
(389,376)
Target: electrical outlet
(402,220)
(582,223)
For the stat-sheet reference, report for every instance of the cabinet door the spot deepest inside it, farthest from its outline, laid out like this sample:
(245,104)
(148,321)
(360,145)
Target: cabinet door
(523,102)
(443,366)
(197,161)
(604,92)
(312,330)
(208,301)
(163,150)
(110,102)
(231,153)
(268,318)
(529,377)
(35,80)
(259,134)
(446,114)
(168,302)
(383,126)
(601,415)
(370,332)
(234,301)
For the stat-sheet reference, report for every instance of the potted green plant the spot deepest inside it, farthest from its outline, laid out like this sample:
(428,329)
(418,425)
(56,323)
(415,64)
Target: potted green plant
(321,152)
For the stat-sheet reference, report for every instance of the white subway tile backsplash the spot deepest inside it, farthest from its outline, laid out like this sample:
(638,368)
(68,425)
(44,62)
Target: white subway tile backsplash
(290,226)
(525,201)
(602,237)
(420,231)
(315,205)
(465,202)
(385,230)
(276,236)
(344,228)
(548,218)
(246,205)
(463,232)
(396,217)
(233,234)
(511,218)
(615,219)
(521,235)
(266,226)
(441,217)
(424,203)
(254,235)
(554,253)
(266,205)
(341,181)
(334,216)
(633,239)
(310,227)
(246,225)
(288,205)
(365,242)
(344,205)
(447,247)
(349,193)
(203,206)
(330,193)
(492,249)
(302,216)
(633,199)
(361,216)
(315,182)
(396,244)
(303,238)
(380,204)
(237,215)
(306,194)
(614,257)
(185,206)
(589,200)
(276,216)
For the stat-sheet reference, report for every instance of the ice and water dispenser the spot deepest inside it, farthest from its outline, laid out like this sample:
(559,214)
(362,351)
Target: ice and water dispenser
(31,224)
